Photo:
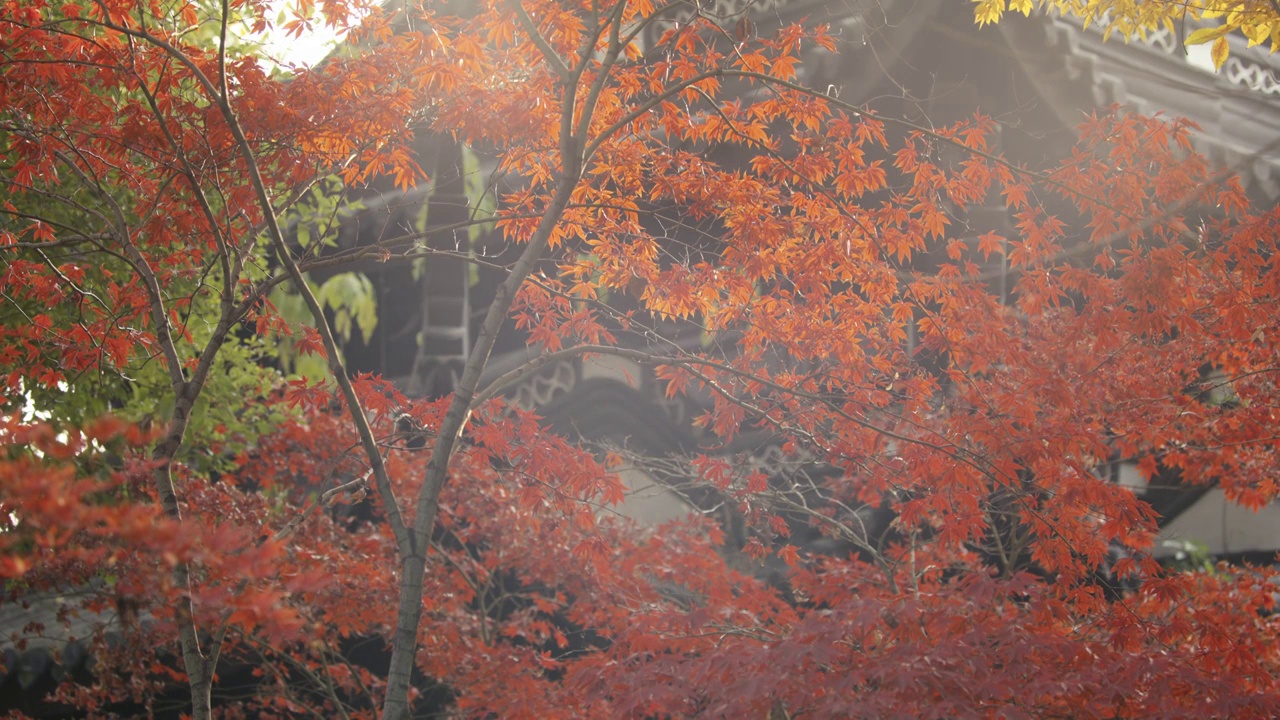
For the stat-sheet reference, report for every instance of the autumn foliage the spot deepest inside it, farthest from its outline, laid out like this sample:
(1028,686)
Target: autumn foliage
(1216,23)
(674,195)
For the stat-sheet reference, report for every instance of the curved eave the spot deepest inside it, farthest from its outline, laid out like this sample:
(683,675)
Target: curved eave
(1238,110)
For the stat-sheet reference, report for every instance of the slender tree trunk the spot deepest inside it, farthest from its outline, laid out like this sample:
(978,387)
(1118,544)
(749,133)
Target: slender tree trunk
(413,571)
(202,694)
(404,642)
(573,148)
(199,672)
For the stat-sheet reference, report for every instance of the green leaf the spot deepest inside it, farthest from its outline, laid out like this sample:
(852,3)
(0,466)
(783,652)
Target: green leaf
(353,300)
(480,196)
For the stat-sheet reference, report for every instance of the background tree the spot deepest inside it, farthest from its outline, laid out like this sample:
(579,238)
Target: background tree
(1196,23)
(148,171)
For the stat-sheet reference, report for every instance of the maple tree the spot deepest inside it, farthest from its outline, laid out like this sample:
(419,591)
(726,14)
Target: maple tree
(149,163)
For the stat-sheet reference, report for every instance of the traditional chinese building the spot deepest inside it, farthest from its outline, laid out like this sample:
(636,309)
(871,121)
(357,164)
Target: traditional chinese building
(1038,77)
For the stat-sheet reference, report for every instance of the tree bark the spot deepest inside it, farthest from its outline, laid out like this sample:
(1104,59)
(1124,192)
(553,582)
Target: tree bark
(413,571)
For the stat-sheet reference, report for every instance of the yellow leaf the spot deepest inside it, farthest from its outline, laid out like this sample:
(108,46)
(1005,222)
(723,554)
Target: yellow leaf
(1257,34)
(1022,6)
(1219,53)
(988,11)
(1204,35)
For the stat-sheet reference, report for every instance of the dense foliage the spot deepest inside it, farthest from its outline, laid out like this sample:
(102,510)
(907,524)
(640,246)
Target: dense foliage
(217,514)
